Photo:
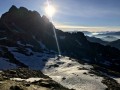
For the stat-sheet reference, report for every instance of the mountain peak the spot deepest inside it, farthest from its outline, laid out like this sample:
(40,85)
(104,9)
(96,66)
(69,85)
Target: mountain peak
(13,8)
(45,19)
(23,9)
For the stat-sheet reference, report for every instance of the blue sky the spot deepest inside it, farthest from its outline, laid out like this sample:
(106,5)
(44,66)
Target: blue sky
(91,15)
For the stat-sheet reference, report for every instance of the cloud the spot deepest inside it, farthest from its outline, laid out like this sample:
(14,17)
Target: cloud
(87,28)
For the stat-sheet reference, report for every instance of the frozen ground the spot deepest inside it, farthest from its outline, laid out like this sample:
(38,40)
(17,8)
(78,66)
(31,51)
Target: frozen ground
(71,74)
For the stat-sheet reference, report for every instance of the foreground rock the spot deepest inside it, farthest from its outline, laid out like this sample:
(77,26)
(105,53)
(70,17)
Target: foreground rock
(25,79)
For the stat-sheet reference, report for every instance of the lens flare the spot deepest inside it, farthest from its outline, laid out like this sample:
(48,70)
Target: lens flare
(50,10)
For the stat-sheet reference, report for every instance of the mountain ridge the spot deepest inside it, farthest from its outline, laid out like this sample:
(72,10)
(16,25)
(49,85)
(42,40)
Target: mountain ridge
(23,29)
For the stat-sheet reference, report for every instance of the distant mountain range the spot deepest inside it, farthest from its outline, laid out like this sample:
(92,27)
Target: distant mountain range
(25,32)
(111,33)
(101,33)
(115,43)
(97,40)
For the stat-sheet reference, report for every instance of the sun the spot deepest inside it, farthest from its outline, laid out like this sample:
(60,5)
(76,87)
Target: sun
(50,10)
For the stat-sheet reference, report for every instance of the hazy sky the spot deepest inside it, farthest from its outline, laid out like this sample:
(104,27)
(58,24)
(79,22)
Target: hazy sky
(92,15)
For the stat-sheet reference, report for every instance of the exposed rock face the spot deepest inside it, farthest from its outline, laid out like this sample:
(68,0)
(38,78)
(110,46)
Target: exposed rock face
(28,27)
(22,18)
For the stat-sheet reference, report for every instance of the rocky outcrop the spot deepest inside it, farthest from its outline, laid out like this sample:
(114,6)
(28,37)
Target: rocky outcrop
(8,82)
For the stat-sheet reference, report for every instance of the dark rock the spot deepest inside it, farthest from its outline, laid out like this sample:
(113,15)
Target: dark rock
(85,73)
(24,73)
(55,65)
(79,68)
(63,78)
(27,84)
(15,88)
(12,72)
(13,8)
(111,84)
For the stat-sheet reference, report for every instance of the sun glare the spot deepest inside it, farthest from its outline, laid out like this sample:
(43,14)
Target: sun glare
(50,10)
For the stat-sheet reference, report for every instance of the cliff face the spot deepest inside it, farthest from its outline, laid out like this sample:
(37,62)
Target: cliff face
(23,24)
(22,28)
(28,21)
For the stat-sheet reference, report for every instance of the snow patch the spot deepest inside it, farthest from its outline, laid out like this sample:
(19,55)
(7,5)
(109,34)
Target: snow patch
(35,61)
(117,79)
(27,80)
(29,45)
(3,38)
(18,42)
(5,64)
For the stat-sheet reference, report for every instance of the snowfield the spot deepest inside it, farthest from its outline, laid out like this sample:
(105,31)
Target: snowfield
(35,61)
(5,64)
(64,70)
(71,74)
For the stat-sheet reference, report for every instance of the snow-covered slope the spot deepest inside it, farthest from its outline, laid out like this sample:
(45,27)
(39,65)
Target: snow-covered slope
(36,61)
(64,70)
(71,74)
(5,64)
